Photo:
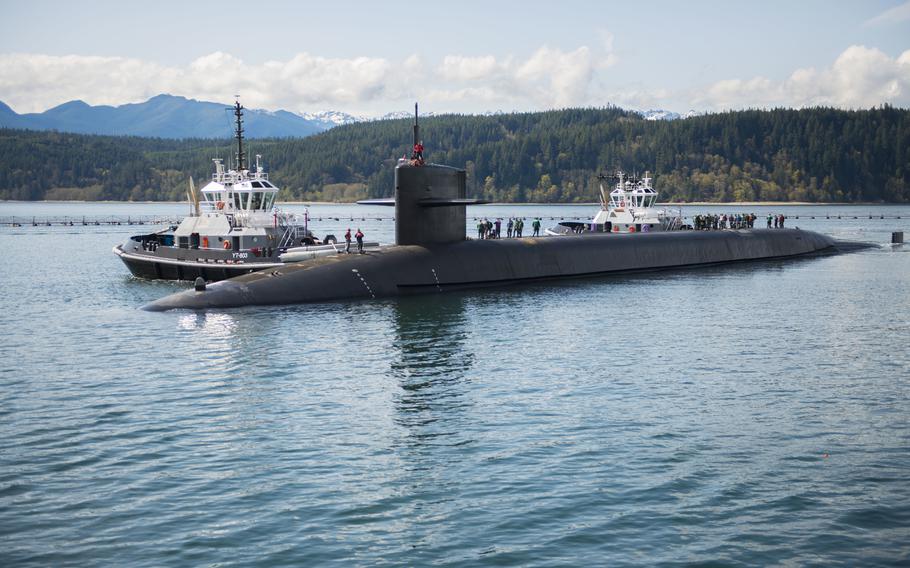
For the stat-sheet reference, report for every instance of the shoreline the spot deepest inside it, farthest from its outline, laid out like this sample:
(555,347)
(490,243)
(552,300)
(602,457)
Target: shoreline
(523,204)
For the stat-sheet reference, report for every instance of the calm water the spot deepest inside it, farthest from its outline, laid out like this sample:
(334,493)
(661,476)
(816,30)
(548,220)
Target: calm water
(754,414)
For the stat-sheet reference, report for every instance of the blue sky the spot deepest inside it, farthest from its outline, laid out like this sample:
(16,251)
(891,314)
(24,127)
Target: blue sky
(371,58)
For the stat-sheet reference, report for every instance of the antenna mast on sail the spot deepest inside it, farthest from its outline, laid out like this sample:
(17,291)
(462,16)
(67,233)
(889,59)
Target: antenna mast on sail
(238,112)
(416,127)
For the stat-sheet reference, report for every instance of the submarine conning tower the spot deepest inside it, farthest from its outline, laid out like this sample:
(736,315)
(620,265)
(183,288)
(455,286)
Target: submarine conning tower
(429,204)
(429,200)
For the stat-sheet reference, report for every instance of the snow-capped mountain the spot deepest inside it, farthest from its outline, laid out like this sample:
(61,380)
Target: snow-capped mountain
(400,114)
(661,114)
(331,118)
(658,114)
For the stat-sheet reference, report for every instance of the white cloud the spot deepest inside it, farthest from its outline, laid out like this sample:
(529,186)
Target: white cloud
(548,77)
(610,59)
(861,77)
(33,83)
(458,68)
(897,14)
(558,79)
(36,82)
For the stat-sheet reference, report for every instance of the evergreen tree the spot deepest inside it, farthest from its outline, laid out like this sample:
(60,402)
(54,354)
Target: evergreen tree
(818,154)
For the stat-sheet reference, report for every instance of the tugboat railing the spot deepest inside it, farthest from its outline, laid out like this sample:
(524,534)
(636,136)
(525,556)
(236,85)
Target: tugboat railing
(291,236)
(233,177)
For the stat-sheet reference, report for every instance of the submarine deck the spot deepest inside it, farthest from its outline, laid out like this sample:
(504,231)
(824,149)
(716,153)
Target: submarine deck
(413,269)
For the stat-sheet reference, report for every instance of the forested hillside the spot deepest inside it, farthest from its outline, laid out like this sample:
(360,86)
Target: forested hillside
(811,155)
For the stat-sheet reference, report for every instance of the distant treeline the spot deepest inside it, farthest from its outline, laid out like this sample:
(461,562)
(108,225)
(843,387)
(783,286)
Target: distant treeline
(815,155)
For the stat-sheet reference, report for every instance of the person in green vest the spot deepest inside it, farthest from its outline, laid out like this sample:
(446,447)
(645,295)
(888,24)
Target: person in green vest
(536,226)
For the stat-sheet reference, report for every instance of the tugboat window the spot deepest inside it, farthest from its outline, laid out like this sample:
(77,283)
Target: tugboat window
(238,204)
(256,202)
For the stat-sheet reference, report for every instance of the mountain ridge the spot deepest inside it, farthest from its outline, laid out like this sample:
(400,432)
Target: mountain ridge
(177,117)
(162,116)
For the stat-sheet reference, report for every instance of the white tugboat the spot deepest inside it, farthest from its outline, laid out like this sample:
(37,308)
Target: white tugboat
(629,208)
(235,228)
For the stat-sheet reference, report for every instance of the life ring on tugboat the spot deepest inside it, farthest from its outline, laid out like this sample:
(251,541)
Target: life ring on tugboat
(227,245)
(205,242)
(220,205)
(632,229)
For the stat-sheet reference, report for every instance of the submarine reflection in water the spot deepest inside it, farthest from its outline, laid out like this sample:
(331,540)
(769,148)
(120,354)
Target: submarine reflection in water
(432,254)
(429,363)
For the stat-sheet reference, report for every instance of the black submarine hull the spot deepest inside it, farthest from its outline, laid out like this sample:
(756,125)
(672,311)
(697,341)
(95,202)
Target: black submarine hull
(425,269)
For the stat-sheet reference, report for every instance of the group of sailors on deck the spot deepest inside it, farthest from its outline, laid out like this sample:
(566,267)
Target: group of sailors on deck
(778,221)
(487,229)
(738,221)
(724,221)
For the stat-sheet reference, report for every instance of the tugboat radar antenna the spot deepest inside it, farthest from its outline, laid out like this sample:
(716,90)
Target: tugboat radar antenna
(416,127)
(238,112)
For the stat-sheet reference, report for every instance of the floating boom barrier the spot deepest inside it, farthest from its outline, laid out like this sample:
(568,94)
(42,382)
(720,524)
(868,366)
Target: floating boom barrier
(114,220)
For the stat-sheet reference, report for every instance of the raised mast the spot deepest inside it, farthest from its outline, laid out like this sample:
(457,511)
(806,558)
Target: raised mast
(416,127)
(238,112)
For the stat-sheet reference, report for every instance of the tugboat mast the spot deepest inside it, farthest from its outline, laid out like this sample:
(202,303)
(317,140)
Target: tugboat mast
(239,134)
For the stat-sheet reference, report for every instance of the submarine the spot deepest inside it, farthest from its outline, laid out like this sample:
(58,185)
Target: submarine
(433,255)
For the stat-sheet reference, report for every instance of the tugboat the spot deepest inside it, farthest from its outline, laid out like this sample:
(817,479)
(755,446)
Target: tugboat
(235,228)
(629,208)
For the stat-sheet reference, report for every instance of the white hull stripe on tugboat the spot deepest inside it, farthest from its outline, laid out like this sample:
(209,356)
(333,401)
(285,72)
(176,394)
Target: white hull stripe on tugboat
(194,263)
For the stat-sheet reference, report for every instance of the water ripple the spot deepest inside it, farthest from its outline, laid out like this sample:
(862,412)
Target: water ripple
(747,415)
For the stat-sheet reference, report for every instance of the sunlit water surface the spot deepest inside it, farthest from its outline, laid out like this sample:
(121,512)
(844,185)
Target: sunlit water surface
(753,414)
